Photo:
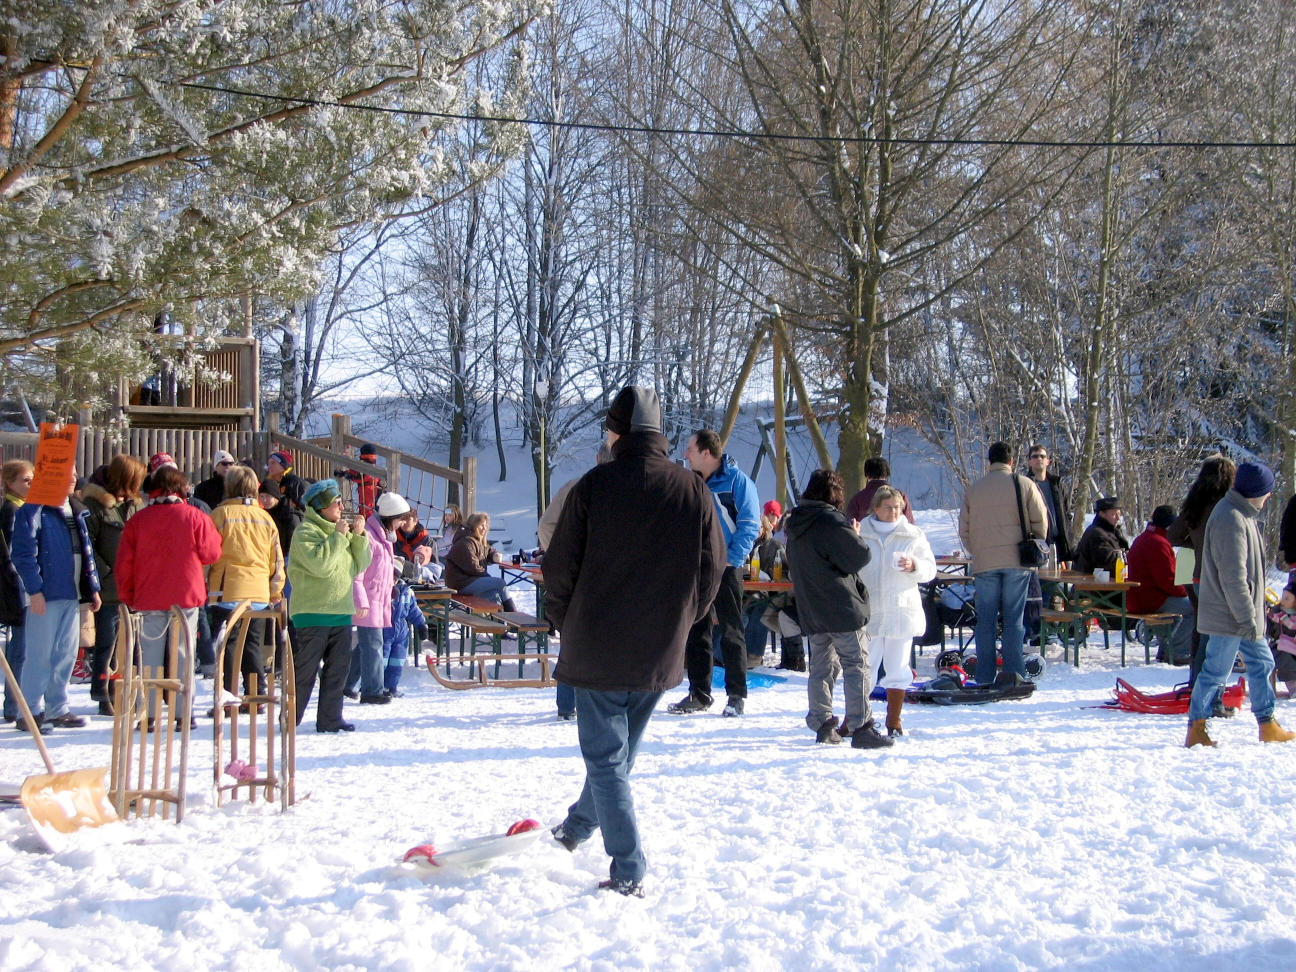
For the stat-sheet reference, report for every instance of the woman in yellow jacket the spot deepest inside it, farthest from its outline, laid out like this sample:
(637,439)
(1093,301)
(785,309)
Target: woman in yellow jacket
(250,568)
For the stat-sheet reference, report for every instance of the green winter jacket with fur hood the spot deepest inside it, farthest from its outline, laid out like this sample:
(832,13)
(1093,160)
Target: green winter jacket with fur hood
(322,567)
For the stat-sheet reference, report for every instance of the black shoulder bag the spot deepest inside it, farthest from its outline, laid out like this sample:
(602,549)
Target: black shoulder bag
(1031,551)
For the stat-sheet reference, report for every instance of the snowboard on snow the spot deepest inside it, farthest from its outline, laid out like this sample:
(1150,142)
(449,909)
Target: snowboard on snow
(429,859)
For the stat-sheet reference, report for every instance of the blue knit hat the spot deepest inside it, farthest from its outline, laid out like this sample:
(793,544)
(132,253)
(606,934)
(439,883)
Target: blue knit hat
(1253,480)
(321,494)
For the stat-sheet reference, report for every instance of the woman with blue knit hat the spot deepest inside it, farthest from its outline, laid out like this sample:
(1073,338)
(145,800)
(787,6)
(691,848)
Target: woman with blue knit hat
(1231,606)
(328,553)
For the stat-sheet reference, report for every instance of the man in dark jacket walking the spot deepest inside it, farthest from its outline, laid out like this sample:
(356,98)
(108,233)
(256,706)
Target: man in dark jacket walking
(635,561)
(825,554)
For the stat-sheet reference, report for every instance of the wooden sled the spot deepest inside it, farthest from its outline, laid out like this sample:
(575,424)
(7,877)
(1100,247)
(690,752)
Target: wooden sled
(254,737)
(151,713)
(483,679)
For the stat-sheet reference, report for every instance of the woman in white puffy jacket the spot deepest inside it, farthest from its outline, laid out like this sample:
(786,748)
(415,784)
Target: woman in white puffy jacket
(901,560)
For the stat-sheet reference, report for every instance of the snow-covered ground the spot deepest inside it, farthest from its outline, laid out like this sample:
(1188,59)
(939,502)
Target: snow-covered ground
(1036,834)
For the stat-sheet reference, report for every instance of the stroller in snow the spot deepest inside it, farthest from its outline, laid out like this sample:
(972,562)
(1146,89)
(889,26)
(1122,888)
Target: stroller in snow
(945,606)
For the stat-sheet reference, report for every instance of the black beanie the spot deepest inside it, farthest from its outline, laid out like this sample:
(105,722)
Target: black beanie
(635,409)
(1163,516)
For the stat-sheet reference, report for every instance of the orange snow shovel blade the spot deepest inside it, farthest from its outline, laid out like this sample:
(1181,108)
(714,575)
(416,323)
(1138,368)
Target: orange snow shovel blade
(58,804)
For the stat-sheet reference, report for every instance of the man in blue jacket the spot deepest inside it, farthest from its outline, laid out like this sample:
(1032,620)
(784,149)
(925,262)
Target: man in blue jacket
(55,561)
(738,508)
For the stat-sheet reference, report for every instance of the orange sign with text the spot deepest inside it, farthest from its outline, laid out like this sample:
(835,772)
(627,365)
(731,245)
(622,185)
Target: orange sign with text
(55,461)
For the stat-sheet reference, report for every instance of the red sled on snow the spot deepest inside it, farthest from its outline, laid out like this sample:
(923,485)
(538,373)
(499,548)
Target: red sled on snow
(478,850)
(1175,702)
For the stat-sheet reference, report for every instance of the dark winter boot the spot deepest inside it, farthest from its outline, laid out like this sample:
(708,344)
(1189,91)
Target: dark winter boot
(895,702)
(828,732)
(867,737)
(792,657)
(508,605)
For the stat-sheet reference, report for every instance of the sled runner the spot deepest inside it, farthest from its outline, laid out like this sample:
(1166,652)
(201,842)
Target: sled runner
(426,858)
(152,711)
(479,677)
(255,735)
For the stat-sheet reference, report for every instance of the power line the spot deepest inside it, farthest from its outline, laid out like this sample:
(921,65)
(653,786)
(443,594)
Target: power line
(624,129)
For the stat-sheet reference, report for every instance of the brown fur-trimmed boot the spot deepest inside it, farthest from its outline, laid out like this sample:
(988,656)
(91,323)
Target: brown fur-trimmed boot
(1197,735)
(895,702)
(1272,732)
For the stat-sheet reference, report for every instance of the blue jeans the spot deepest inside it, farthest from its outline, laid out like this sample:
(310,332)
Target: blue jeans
(366,673)
(14,653)
(566,699)
(51,640)
(1180,647)
(1000,594)
(494,588)
(609,726)
(1217,662)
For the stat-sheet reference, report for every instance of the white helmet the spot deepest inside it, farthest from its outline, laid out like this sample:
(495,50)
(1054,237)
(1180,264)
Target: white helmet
(392,504)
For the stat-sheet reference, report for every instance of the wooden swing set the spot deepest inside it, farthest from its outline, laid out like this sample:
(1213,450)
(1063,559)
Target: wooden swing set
(773,326)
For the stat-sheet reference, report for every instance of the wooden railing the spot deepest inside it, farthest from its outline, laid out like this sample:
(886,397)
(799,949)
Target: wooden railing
(181,396)
(192,449)
(429,486)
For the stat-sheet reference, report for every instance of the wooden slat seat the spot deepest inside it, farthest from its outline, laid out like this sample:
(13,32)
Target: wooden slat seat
(478,605)
(529,630)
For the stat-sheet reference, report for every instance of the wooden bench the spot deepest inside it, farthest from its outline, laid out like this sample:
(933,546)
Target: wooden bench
(477,605)
(1159,626)
(529,630)
(475,629)
(435,604)
(1070,628)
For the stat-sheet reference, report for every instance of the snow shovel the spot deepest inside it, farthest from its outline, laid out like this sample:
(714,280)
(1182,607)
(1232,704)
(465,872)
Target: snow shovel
(58,804)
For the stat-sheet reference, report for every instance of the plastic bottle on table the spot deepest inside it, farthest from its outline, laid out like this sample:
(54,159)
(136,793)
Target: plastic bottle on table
(1119,573)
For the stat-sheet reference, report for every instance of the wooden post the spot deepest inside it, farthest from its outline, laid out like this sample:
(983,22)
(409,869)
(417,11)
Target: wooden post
(731,412)
(340,429)
(780,425)
(468,500)
(393,469)
(807,413)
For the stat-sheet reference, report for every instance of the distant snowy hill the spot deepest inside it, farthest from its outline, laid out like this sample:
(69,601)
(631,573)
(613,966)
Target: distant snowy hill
(915,467)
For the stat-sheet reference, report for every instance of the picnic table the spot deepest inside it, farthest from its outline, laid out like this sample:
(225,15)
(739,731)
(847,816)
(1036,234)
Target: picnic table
(1086,598)
(953,565)
(527,572)
(761,586)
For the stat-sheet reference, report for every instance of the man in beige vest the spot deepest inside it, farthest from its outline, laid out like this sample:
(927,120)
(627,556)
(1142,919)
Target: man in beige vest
(990,528)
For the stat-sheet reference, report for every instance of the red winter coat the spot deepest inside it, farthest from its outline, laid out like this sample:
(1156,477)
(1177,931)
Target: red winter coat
(161,557)
(1152,564)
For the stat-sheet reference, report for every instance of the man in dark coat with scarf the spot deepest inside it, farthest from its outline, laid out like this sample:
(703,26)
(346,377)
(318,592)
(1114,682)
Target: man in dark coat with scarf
(635,561)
